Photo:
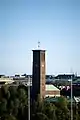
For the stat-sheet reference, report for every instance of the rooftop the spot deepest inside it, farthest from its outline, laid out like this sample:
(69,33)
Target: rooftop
(51,87)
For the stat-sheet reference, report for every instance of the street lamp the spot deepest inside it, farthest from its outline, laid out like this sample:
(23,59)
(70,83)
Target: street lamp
(71,99)
(28,85)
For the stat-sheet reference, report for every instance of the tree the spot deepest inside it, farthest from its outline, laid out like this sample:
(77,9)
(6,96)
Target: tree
(49,110)
(40,116)
(13,103)
(4,91)
(63,92)
(13,92)
(3,106)
(8,117)
(62,102)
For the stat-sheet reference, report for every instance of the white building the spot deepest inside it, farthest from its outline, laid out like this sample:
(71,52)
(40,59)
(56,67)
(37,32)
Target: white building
(52,91)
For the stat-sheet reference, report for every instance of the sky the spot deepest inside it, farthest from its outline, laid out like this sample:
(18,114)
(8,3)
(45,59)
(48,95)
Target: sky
(55,23)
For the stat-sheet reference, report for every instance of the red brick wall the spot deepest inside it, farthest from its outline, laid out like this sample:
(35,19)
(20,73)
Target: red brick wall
(53,93)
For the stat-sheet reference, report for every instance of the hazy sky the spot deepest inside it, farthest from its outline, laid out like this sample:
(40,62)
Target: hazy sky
(55,23)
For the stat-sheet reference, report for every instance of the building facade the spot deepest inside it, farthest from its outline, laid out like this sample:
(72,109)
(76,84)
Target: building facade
(52,91)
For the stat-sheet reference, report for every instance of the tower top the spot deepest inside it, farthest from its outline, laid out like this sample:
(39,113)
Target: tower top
(38,47)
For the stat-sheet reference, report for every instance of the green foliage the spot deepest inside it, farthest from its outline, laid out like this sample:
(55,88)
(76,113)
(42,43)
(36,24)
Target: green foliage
(49,110)
(62,102)
(14,106)
(40,116)
(13,101)
(3,106)
(4,91)
(13,92)
(8,117)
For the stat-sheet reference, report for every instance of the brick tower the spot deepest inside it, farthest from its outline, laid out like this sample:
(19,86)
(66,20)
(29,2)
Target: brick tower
(38,77)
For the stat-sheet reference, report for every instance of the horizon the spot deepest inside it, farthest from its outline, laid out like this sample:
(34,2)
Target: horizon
(55,23)
(45,74)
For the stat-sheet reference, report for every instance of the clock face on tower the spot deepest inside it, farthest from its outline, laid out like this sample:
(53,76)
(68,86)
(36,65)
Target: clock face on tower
(42,65)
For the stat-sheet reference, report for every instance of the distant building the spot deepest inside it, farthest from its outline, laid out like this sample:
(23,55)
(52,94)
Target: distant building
(2,76)
(77,99)
(65,76)
(52,91)
(6,81)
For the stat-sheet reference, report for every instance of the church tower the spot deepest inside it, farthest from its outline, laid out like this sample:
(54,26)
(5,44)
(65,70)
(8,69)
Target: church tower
(38,76)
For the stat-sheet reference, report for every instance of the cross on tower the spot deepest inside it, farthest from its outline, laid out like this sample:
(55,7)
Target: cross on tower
(38,44)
